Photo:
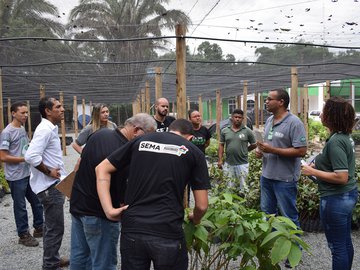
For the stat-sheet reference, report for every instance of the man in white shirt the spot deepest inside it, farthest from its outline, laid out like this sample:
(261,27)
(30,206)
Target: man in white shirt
(45,157)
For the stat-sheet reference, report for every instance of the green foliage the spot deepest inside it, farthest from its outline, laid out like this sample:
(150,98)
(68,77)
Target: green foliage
(3,182)
(209,51)
(252,194)
(232,235)
(316,128)
(292,54)
(356,136)
(212,150)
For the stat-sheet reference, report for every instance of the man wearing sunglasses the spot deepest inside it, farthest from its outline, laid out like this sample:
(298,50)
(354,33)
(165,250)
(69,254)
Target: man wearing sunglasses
(284,144)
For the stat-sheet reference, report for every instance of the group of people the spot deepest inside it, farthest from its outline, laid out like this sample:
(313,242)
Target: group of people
(137,174)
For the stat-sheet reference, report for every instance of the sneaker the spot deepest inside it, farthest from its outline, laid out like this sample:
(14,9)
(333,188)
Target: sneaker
(64,261)
(38,232)
(28,240)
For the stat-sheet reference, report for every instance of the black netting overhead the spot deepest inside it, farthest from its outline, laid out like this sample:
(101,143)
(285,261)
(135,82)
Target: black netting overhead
(105,51)
(62,66)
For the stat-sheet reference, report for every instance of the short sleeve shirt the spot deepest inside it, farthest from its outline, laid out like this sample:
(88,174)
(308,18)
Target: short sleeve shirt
(161,164)
(201,136)
(84,198)
(289,132)
(338,155)
(15,141)
(87,131)
(164,126)
(236,144)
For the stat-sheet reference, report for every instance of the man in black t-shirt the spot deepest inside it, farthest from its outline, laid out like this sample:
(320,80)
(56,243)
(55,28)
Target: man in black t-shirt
(94,238)
(202,135)
(161,164)
(162,119)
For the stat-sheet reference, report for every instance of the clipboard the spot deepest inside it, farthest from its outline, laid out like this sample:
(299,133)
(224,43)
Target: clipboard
(65,185)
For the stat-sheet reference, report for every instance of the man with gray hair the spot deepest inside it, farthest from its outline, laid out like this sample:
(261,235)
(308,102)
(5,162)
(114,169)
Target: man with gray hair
(94,238)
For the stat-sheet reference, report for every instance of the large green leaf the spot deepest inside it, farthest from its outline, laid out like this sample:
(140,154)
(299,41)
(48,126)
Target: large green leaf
(189,230)
(270,237)
(201,233)
(228,198)
(280,250)
(287,221)
(294,255)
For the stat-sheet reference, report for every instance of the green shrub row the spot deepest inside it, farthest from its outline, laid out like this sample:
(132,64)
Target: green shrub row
(3,183)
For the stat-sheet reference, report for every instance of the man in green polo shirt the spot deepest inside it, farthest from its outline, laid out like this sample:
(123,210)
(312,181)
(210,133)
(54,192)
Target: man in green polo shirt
(238,140)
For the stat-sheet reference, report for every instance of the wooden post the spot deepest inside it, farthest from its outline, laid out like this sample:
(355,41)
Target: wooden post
(9,110)
(75,117)
(133,107)
(173,109)
(200,106)
(180,71)
(218,113)
(1,103)
(245,102)
(294,91)
(143,100)
(63,132)
(83,113)
(327,91)
(301,101)
(262,109)
(42,91)
(305,109)
(181,81)
(29,120)
(238,102)
(256,109)
(147,97)
(138,102)
(158,83)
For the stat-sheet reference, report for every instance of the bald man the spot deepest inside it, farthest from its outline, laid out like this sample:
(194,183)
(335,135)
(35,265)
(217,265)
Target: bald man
(163,121)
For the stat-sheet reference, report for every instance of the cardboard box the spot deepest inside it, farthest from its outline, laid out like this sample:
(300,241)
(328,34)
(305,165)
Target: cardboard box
(65,186)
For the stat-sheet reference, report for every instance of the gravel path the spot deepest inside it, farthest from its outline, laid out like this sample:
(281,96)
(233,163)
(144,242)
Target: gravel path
(17,257)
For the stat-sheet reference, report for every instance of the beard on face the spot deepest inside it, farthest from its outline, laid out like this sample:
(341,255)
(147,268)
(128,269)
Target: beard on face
(163,113)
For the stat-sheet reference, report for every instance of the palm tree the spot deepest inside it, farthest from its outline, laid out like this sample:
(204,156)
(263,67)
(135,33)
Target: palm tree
(24,18)
(30,15)
(114,19)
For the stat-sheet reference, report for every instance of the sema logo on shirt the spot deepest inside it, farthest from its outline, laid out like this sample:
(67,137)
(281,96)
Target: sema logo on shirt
(161,148)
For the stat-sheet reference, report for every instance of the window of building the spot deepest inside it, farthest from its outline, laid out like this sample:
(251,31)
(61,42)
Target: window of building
(232,105)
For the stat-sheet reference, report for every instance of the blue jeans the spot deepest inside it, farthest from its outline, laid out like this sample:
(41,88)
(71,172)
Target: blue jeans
(20,189)
(138,250)
(94,243)
(279,196)
(53,203)
(336,216)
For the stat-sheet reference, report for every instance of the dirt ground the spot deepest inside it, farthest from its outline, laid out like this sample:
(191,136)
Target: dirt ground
(17,257)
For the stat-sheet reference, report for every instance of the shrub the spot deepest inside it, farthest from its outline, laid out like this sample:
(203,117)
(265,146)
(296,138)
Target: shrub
(232,233)
(3,183)
(356,136)
(316,128)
